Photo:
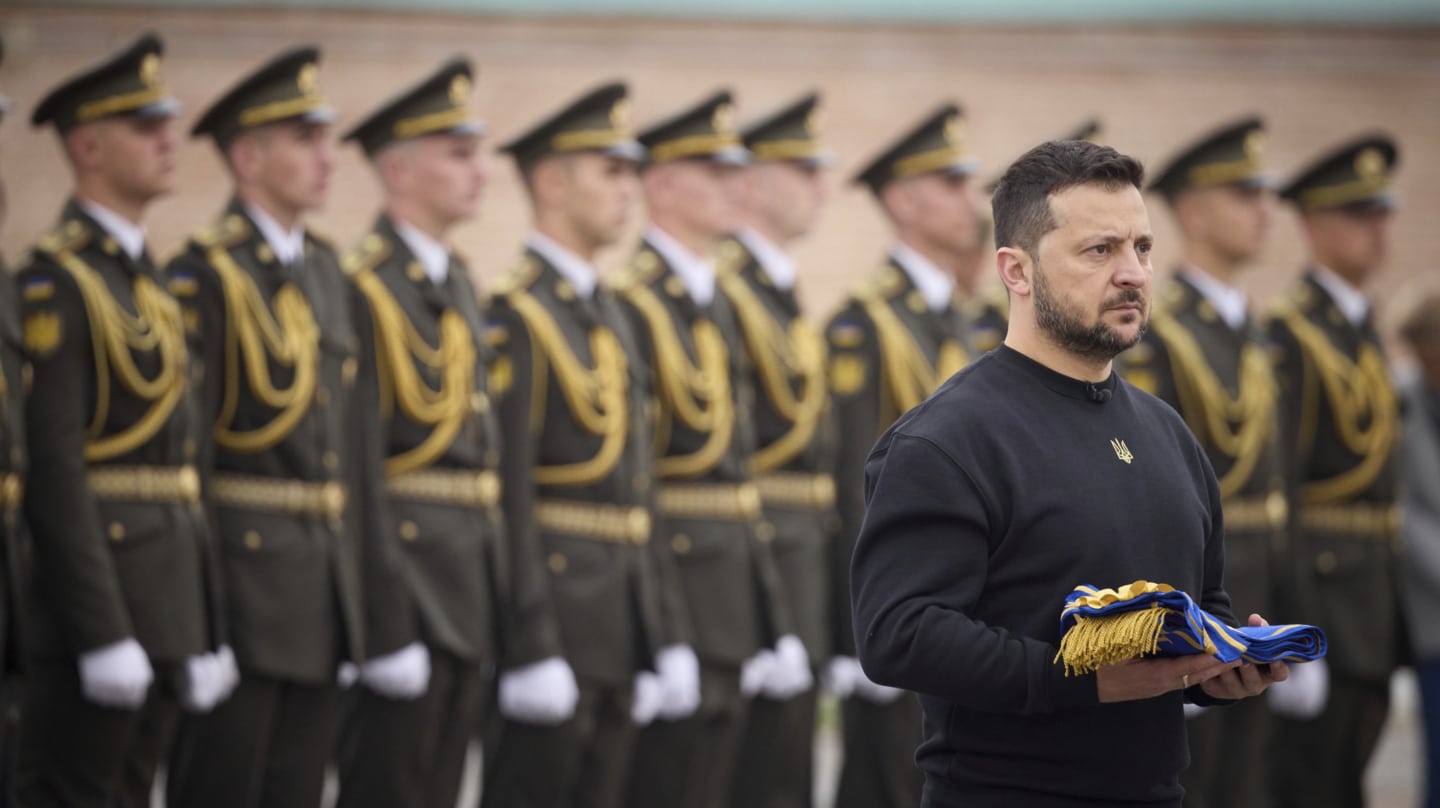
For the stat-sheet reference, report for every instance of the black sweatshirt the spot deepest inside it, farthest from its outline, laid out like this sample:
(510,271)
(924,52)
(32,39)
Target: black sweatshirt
(988,504)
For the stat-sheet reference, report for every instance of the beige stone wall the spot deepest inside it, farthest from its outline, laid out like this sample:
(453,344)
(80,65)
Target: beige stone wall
(1154,88)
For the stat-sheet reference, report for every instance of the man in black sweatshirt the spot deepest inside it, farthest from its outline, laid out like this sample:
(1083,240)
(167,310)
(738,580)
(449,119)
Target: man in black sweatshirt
(1032,471)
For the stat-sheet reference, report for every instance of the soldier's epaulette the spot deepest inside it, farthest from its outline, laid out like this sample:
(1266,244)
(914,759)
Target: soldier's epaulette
(71,236)
(225,233)
(366,256)
(641,270)
(519,276)
(730,258)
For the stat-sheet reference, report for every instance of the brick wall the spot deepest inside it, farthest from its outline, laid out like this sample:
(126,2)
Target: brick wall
(1154,87)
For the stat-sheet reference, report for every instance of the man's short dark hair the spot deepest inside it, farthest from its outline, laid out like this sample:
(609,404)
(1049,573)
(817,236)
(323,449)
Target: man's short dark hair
(1021,205)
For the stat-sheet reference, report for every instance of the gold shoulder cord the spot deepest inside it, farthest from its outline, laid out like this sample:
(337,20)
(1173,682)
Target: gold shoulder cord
(1236,427)
(398,349)
(596,397)
(252,336)
(698,396)
(1357,391)
(911,376)
(114,335)
(781,357)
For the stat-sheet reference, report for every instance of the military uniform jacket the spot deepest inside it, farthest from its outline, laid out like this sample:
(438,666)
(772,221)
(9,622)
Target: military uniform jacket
(423,366)
(290,476)
(122,546)
(704,440)
(888,352)
(15,552)
(1221,382)
(795,438)
(1340,448)
(575,422)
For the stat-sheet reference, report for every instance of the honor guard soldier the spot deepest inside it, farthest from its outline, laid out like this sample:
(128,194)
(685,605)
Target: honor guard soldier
(1341,425)
(121,631)
(1206,358)
(784,191)
(292,468)
(578,452)
(987,305)
(706,500)
(898,338)
(423,368)
(14,538)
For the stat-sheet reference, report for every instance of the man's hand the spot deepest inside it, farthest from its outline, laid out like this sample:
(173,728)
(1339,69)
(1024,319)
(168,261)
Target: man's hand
(1247,680)
(1148,678)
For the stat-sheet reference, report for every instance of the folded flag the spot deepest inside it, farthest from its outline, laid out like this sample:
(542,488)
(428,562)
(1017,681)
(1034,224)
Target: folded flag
(1104,626)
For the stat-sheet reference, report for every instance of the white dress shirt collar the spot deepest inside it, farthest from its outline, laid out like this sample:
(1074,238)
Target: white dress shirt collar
(771,258)
(1230,303)
(130,236)
(697,273)
(579,272)
(433,256)
(1351,302)
(935,285)
(289,247)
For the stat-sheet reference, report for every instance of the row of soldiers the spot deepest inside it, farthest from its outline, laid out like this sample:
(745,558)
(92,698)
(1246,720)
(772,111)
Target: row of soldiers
(282,507)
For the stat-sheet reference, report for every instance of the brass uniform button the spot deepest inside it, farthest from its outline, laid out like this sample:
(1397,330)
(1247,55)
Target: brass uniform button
(264,253)
(479,402)
(916,302)
(409,531)
(1325,562)
(116,531)
(675,287)
(565,291)
(414,271)
(252,540)
(557,563)
(680,543)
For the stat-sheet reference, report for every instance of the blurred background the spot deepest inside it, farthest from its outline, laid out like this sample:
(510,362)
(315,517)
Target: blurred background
(1157,75)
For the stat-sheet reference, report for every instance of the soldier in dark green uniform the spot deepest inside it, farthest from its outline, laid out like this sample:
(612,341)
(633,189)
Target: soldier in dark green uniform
(121,596)
(900,335)
(987,305)
(795,443)
(1340,426)
(14,538)
(1205,357)
(706,501)
(422,366)
(576,425)
(291,460)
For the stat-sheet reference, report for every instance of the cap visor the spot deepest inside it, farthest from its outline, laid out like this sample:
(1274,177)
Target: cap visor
(466,128)
(164,108)
(1373,204)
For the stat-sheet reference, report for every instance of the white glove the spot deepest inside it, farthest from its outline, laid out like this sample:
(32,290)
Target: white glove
(872,692)
(648,695)
(116,675)
(756,670)
(840,675)
(542,692)
(347,674)
(1194,710)
(679,672)
(1303,695)
(790,676)
(209,679)
(401,675)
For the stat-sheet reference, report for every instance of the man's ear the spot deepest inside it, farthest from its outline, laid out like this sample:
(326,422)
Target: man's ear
(82,145)
(898,201)
(1015,268)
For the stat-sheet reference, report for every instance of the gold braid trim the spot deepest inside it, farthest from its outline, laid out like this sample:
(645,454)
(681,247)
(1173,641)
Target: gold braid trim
(1238,427)
(780,357)
(1357,391)
(699,396)
(596,397)
(252,336)
(911,375)
(115,334)
(399,348)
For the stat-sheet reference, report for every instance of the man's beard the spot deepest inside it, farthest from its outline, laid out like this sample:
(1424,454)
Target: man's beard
(1065,324)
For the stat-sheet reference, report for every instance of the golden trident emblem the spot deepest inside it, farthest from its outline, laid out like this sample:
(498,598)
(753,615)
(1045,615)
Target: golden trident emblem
(1121,450)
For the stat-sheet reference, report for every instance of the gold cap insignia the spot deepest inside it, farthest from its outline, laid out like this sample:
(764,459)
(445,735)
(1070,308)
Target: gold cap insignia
(954,131)
(1255,144)
(620,114)
(459,90)
(150,69)
(306,79)
(1370,164)
(724,120)
(814,122)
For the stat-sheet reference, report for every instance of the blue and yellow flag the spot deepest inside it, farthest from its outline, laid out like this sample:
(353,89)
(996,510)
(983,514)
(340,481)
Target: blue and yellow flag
(1104,626)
